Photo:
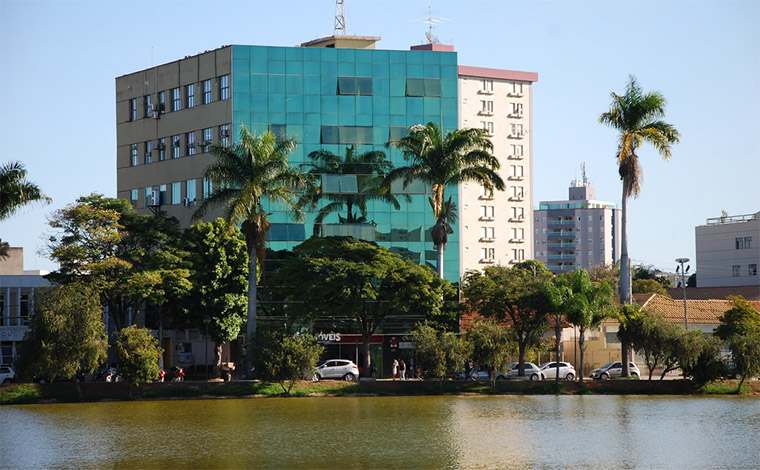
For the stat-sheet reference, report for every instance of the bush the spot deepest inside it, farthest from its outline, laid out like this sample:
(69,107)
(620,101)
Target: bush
(138,353)
(284,359)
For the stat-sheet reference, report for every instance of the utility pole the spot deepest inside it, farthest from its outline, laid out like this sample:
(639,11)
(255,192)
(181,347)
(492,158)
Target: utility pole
(683,286)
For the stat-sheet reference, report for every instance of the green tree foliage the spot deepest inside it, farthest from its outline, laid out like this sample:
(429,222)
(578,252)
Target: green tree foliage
(438,353)
(642,272)
(15,190)
(284,359)
(512,295)
(707,365)
(138,352)
(342,277)
(740,328)
(66,334)
(491,344)
(649,286)
(245,176)
(369,169)
(582,303)
(219,277)
(638,118)
(124,257)
(443,160)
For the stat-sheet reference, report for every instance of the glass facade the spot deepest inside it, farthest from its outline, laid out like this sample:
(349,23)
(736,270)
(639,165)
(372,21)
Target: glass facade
(329,99)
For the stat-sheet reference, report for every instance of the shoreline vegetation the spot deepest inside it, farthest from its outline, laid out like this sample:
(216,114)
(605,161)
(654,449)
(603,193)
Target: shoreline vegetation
(71,392)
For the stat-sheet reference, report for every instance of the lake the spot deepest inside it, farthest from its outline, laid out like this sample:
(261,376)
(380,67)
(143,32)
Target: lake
(516,431)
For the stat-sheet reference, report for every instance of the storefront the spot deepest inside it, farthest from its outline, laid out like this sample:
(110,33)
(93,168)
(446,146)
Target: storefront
(383,350)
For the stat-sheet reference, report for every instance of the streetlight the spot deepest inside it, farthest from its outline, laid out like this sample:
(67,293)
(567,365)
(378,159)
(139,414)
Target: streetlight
(683,286)
(206,321)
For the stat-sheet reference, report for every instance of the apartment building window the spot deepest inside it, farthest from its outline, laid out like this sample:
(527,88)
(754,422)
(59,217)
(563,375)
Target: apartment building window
(486,193)
(176,100)
(487,255)
(224,87)
(162,102)
(740,243)
(752,269)
(175,147)
(518,254)
(516,130)
(601,217)
(224,134)
(486,233)
(517,213)
(735,270)
(148,106)
(148,152)
(208,188)
(516,171)
(133,154)
(747,243)
(517,109)
(518,234)
(208,137)
(486,212)
(133,109)
(517,89)
(176,193)
(487,86)
(486,107)
(488,126)
(190,139)
(162,149)
(207,92)
(134,194)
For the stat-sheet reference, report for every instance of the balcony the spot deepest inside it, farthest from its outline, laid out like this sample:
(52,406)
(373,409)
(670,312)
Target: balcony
(515,157)
(568,233)
(570,222)
(560,257)
(561,245)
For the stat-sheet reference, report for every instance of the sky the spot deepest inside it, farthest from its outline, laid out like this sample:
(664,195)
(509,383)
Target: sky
(59,61)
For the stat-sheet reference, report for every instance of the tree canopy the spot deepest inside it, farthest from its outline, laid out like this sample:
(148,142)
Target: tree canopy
(16,191)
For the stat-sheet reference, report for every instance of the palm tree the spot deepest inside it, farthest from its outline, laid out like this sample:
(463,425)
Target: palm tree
(460,156)
(254,170)
(638,118)
(370,169)
(15,190)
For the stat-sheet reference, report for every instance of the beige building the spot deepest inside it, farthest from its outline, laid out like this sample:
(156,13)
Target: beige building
(728,251)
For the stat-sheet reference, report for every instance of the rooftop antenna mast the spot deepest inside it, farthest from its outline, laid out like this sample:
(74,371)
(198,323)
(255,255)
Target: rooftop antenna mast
(432,22)
(583,169)
(340,19)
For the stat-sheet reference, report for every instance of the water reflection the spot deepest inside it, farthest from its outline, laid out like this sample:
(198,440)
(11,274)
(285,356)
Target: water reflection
(574,432)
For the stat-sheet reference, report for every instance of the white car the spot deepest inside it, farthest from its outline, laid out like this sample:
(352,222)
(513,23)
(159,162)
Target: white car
(531,372)
(614,369)
(336,369)
(7,374)
(549,371)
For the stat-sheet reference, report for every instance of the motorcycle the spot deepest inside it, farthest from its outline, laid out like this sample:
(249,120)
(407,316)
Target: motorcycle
(112,375)
(161,375)
(179,374)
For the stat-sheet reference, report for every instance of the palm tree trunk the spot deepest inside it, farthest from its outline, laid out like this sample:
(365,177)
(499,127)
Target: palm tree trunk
(440,261)
(582,348)
(251,323)
(625,274)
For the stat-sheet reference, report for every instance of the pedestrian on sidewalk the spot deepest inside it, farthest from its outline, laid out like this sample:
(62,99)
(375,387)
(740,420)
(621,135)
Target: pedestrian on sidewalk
(402,370)
(395,368)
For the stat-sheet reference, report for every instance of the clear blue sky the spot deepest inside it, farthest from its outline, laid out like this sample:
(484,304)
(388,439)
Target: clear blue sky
(59,59)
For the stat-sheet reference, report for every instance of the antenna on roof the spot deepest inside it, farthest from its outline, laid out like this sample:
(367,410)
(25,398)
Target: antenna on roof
(340,19)
(432,22)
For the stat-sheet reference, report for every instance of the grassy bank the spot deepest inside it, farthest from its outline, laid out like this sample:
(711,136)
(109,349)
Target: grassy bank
(68,391)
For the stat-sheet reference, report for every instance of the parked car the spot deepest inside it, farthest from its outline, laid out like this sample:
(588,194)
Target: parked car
(7,374)
(549,371)
(531,372)
(614,369)
(336,369)
(479,374)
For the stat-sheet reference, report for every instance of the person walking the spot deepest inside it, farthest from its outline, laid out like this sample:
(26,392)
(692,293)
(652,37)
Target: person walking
(402,370)
(395,368)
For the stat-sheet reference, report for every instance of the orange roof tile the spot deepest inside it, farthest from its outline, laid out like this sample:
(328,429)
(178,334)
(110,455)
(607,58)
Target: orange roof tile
(698,311)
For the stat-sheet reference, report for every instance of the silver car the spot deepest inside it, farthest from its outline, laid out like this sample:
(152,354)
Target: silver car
(531,372)
(479,374)
(614,369)
(549,371)
(336,369)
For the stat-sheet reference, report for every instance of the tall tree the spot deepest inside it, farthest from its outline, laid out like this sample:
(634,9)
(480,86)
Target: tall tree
(638,118)
(66,334)
(490,345)
(740,328)
(458,157)
(219,276)
(138,352)
(513,295)
(255,170)
(366,170)
(126,258)
(15,190)
(583,303)
(438,352)
(339,277)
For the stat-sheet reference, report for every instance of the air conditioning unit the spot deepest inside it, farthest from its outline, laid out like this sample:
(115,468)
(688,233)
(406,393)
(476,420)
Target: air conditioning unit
(176,143)
(186,202)
(153,199)
(225,132)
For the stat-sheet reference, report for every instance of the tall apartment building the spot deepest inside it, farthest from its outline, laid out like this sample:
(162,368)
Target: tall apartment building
(580,232)
(728,251)
(329,94)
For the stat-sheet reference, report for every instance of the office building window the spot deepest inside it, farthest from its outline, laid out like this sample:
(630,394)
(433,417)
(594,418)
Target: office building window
(148,152)
(207,92)
(133,109)
(361,86)
(162,194)
(190,138)
(134,194)
(162,102)
(162,149)
(740,243)
(190,190)
(347,135)
(190,95)
(224,87)
(133,154)
(224,135)
(148,106)
(176,100)
(735,270)
(175,147)
(208,138)
(752,271)
(747,243)
(423,87)
(208,188)
(176,193)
